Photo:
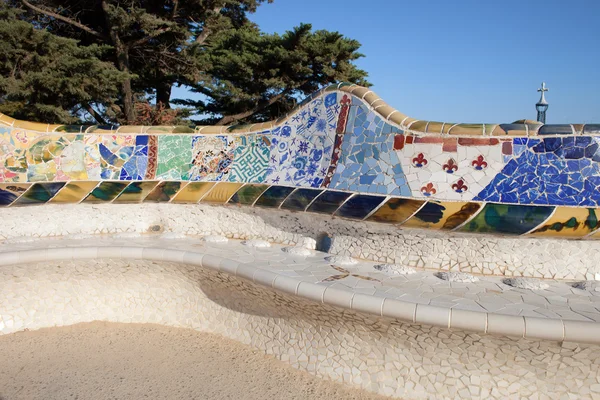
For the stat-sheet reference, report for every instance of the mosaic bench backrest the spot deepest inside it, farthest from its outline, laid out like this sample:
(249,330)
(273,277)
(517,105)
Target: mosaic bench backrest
(342,152)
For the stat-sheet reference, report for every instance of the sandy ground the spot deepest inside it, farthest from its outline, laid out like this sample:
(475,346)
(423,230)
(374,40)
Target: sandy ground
(140,361)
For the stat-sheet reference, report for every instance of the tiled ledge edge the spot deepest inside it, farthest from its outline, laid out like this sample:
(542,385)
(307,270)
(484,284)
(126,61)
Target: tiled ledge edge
(486,323)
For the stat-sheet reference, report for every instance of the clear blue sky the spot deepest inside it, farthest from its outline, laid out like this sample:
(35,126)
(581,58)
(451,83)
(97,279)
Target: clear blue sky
(466,61)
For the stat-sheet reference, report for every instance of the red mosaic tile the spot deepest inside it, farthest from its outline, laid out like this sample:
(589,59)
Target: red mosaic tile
(477,142)
(428,139)
(449,145)
(398,142)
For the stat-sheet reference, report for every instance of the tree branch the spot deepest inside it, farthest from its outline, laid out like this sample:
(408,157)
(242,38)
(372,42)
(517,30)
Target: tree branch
(148,37)
(228,119)
(206,32)
(175,6)
(64,19)
(94,113)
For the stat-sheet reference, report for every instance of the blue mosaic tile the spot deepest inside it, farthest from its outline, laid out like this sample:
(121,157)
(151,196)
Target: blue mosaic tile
(274,196)
(301,150)
(359,206)
(368,162)
(6,197)
(556,171)
(551,129)
(328,202)
(40,193)
(300,199)
(135,167)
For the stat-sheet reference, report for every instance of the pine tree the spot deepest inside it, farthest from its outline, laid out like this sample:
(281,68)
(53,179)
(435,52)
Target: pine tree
(210,45)
(50,78)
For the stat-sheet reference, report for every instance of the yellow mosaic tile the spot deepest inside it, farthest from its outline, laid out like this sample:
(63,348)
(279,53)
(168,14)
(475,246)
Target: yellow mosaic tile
(6,120)
(396,210)
(418,126)
(360,91)
(31,126)
(193,192)
(569,222)
(467,129)
(74,192)
(438,215)
(434,127)
(221,192)
(164,192)
(139,129)
(510,130)
(105,192)
(136,192)
(370,98)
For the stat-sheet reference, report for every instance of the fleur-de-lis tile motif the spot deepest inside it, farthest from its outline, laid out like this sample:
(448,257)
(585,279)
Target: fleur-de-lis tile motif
(450,166)
(344,274)
(479,163)
(459,186)
(419,161)
(428,189)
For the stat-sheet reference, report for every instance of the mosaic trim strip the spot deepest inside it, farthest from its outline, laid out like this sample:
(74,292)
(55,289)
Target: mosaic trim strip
(395,117)
(473,217)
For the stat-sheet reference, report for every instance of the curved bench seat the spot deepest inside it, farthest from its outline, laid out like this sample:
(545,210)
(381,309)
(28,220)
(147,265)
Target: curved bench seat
(379,343)
(379,293)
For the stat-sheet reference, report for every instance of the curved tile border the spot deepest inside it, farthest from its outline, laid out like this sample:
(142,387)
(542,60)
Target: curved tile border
(486,323)
(387,112)
(452,216)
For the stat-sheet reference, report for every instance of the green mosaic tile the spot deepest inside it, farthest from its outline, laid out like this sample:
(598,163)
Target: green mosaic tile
(164,192)
(507,219)
(136,192)
(40,193)
(184,129)
(248,194)
(174,157)
(105,192)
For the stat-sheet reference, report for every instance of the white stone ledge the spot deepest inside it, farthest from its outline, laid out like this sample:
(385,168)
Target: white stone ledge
(480,322)
(476,254)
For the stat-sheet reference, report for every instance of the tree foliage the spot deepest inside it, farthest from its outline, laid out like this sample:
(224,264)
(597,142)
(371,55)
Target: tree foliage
(146,47)
(50,78)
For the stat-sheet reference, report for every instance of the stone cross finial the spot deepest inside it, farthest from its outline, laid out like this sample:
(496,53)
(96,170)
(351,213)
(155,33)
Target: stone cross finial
(542,90)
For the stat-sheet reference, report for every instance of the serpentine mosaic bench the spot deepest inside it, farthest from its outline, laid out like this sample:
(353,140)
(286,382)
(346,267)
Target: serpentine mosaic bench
(343,152)
(117,238)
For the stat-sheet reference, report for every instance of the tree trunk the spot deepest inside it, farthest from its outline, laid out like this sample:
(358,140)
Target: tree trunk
(122,53)
(163,94)
(127,93)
